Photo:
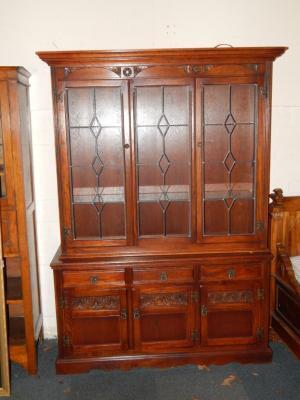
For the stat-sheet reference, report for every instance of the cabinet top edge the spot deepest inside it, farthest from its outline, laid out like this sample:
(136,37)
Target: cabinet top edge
(182,55)
(14,72)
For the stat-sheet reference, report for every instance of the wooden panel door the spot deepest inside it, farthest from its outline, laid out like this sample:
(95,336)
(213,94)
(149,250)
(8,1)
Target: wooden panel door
(94,149)
(95,321)
(163,130)
(163,317)
(230,314)
(231,163)
(7,197)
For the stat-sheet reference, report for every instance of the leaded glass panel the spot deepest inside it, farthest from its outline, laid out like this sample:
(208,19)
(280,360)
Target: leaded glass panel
(229,158)
(163,150)
(96,162)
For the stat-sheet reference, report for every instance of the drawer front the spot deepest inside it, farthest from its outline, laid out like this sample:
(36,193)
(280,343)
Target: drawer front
(163,275)
(231,272)
(94,278)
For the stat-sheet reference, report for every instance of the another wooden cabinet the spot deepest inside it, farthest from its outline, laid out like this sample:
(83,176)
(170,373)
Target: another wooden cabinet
(17,209)
(163,167)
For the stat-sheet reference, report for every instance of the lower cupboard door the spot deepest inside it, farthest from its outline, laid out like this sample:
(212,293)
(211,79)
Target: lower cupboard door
(163,318)
(230,315)
(95,322)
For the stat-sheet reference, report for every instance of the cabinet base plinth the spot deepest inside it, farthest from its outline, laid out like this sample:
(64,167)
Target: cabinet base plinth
(125,362)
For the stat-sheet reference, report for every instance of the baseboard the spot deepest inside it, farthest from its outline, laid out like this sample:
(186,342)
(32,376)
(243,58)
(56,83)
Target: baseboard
(79,365)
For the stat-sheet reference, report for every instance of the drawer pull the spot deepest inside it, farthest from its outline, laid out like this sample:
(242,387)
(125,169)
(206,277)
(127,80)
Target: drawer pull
(163,276)
(231,273)
(123,314)
(136,314)
(94,280)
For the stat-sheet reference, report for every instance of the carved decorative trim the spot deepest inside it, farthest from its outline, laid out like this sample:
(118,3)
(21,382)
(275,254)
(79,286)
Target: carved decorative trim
(254,67)
(116,70)
(277,197)
(139,69)
(192,69)
(127,72)
(163,299)
(96,303)
(245,296)
(197,68)
(207,67)
(187,69)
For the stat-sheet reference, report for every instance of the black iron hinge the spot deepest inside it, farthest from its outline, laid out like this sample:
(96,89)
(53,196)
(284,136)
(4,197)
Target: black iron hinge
(204,311)
(260,226)
(59,96)
(260,334)
(264,90)
(195,335)
(260,294)
(62,302)
(67,232)
(195,297)
(66,341)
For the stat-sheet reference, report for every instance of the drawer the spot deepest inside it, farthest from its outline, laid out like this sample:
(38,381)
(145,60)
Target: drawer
(163,275)
(94,278)
(230,272)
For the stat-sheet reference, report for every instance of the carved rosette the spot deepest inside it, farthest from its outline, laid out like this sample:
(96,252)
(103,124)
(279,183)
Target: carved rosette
(163,299)
(96,303)
(245,296)
(127,72)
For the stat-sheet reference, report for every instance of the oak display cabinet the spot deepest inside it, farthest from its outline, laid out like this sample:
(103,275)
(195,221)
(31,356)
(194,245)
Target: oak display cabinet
(17,208)
(163,174)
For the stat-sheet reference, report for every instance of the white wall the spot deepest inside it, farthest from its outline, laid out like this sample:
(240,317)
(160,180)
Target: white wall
(30,25)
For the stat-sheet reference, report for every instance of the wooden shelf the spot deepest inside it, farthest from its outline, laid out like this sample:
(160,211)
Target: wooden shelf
(14,290)
(16,331)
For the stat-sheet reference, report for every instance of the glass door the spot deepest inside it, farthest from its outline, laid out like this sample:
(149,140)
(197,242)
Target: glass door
(163,143)
(229,130)
(95,154)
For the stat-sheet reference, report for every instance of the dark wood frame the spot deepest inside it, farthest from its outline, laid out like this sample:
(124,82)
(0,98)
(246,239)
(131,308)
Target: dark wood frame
(4,365)
(18,220)
(285,289)
(144,260)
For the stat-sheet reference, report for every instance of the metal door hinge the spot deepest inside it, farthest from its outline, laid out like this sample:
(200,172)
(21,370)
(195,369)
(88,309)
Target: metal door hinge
(204,311)
(136,314)
(195,335)
(260,294)
(195,297)
(260,226)
(260,334)
(263,91)
(123,314)
(66,341)
(67,232)
(62,302)
(59,96)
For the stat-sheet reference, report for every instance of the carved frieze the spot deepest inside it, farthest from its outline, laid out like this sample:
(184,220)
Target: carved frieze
(96,303)
(245,296)
(163,299)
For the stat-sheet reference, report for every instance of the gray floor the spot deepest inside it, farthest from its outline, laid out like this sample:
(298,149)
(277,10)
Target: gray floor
(278,380)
